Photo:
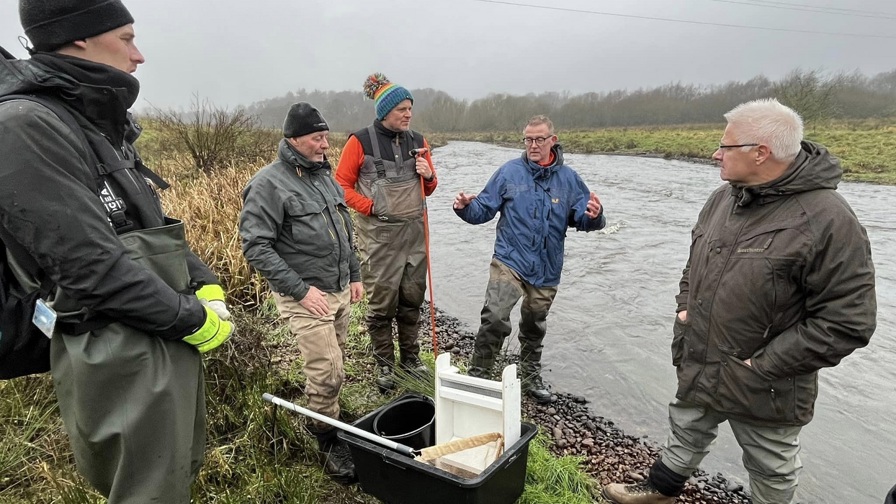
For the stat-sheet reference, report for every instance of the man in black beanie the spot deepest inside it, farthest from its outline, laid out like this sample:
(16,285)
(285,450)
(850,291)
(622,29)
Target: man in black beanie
(297,232)
(134,308)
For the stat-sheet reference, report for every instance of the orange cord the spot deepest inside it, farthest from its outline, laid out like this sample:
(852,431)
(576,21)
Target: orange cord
(432,304)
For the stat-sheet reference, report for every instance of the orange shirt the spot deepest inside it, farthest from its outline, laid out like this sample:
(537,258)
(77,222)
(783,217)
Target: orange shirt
(550,161)
(349,167)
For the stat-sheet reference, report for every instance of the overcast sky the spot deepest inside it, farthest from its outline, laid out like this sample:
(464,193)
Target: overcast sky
(236,51)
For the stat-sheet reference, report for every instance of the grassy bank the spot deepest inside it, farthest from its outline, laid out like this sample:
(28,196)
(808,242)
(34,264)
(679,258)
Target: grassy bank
(867,149)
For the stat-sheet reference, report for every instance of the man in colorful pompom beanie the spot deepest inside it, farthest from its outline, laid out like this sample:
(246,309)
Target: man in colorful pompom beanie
(386,171)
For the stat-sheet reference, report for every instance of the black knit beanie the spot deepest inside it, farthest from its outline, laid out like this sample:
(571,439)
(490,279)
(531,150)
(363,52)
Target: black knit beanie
(50,24)
(303,119)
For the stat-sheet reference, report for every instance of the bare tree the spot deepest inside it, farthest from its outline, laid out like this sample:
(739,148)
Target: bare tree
(215,137)
(811,93)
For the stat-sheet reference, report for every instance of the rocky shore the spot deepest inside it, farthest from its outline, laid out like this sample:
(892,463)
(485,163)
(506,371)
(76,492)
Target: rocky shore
(610,455)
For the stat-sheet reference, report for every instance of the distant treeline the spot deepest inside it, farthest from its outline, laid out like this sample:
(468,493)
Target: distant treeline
(817,95)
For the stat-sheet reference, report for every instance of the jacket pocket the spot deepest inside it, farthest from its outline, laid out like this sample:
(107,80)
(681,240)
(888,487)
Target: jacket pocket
(310,228)
(679,331)
(744,392)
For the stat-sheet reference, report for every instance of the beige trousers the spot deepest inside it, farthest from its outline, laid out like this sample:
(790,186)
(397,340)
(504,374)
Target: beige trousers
(322,343)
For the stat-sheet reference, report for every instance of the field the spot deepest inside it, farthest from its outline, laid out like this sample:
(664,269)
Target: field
(866,149)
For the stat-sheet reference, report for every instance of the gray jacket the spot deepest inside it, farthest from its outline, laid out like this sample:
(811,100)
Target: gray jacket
(295,227)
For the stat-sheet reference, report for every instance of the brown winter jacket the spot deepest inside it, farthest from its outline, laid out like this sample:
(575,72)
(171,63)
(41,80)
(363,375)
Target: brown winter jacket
(780,274)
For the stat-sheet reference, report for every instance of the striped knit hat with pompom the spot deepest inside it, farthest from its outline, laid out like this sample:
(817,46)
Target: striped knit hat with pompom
(386,95)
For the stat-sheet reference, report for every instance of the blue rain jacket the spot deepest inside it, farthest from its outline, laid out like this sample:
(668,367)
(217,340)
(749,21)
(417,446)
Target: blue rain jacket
(537,205)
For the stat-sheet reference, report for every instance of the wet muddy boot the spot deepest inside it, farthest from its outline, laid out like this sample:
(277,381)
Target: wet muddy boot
(639,493)
(335,456)
(380,332)
(385,380)
(480,368)
(535,388)
(532,384)
(413,366)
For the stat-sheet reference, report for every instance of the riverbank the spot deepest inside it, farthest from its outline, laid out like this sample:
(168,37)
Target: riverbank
(863,147)
(609,455)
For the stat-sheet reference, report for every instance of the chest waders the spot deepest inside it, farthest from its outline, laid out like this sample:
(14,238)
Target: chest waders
(392,249)
(133,404)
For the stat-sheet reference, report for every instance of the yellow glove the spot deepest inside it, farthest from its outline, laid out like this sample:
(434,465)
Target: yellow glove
(212,334)
(212,295)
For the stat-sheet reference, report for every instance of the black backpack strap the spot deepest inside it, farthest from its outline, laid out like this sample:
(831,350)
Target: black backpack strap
(15,250)
(110,163)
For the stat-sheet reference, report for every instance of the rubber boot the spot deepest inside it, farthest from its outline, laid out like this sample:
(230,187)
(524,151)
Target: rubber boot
(380,332)
(480,368)
(335,456)
(385,380)
(532,384)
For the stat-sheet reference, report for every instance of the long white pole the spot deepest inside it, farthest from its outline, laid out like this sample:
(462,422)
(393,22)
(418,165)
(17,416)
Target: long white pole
(406,450)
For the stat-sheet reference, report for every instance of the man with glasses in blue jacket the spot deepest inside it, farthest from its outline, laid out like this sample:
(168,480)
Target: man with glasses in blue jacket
(539,197)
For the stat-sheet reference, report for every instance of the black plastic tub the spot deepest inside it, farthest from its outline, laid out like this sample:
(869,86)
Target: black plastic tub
(398,479)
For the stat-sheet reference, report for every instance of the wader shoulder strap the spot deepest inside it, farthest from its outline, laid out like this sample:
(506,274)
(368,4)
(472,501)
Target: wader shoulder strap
(415,140)
(377,158)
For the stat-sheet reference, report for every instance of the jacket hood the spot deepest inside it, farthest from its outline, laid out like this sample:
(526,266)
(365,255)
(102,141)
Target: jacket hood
(290,156)
(24,76)
(545,171)
(814,168)
(99,92)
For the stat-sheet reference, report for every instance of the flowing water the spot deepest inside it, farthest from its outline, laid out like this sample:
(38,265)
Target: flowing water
(611,324)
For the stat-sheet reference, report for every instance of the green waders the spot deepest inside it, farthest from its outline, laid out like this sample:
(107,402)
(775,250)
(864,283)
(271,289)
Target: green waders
(393,253)
(393,267)
(133,404)
(504,290)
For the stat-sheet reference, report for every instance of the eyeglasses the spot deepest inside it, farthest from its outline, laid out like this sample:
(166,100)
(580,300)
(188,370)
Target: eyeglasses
(723,146)
(539,141)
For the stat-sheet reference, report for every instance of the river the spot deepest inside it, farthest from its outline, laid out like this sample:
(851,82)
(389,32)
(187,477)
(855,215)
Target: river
(611,324)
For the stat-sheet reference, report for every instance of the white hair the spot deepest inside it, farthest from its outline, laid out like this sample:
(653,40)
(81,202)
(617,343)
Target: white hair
(768,122)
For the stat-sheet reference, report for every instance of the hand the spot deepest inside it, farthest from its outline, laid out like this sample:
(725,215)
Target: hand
(357,290)
(462,200)
(212,333)
(423,167)
(683,315)
(315,301)
(593,207)
(212,295)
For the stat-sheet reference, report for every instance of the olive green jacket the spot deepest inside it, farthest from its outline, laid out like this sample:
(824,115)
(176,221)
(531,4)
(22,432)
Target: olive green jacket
(780,274)
(295,227)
